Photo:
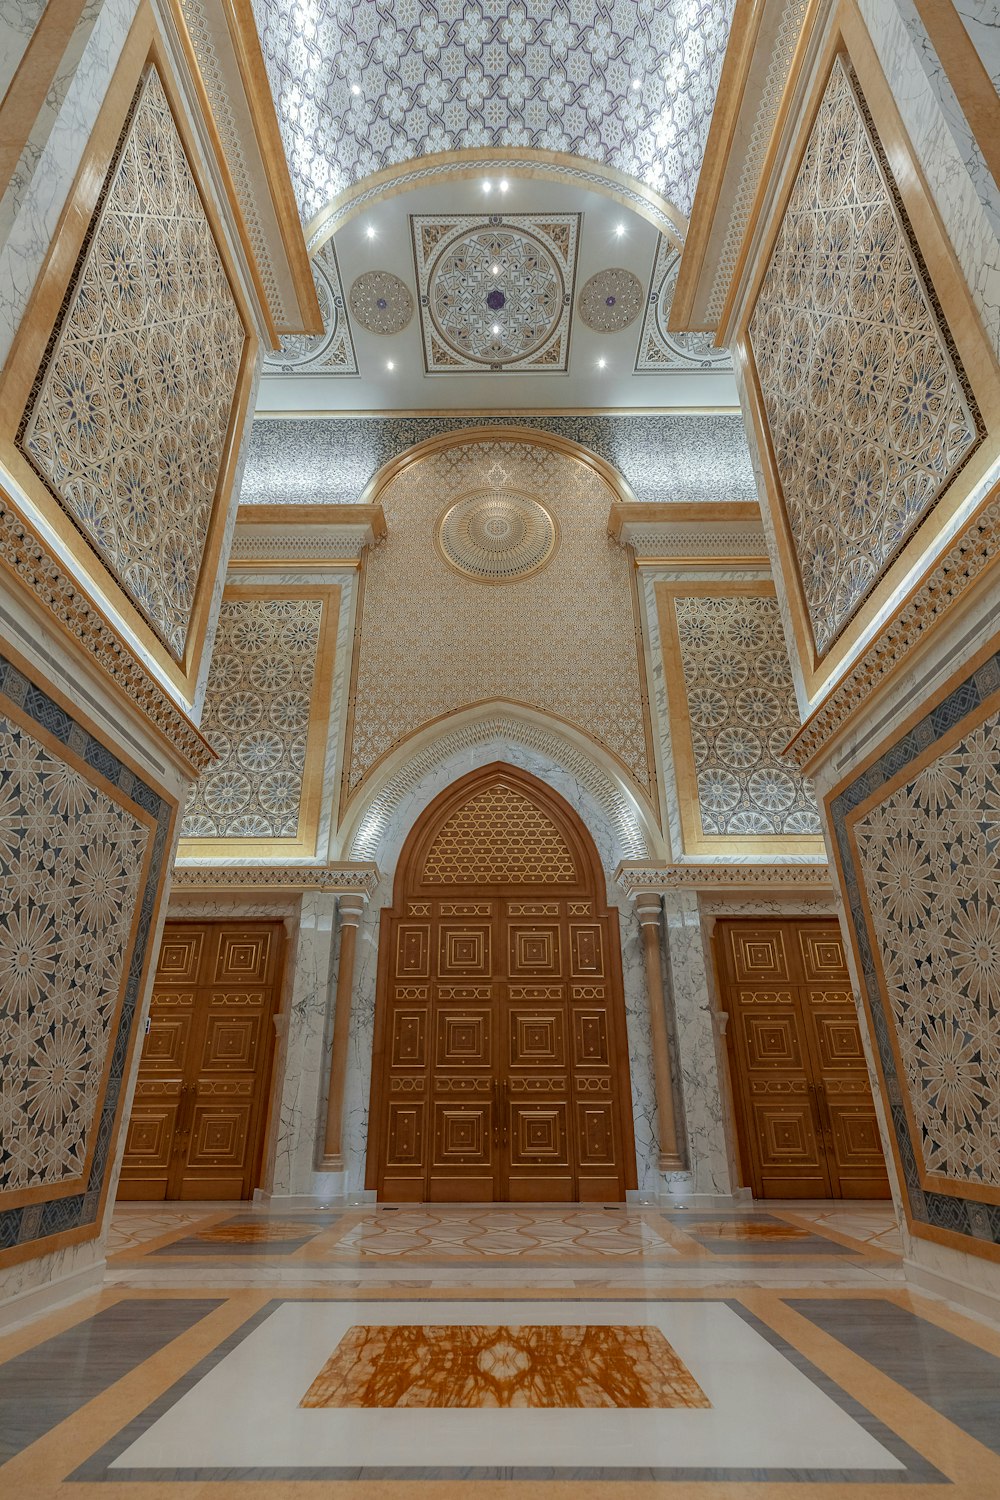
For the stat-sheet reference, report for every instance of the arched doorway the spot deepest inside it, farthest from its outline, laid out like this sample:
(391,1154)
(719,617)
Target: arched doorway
(500,1067)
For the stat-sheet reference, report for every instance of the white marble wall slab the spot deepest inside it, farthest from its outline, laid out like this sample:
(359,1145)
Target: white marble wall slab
(18,20)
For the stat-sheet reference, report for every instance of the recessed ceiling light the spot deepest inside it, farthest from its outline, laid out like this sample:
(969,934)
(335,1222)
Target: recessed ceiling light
(496,327)
(637,83)
(370,231)
(504,184)
(355,88)
(487,187)
(619,230)
(390,364)
(602,364)
(494,270)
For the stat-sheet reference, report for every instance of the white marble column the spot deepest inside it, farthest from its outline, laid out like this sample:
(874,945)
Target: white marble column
(649,910)
(351,910)
(702,1078)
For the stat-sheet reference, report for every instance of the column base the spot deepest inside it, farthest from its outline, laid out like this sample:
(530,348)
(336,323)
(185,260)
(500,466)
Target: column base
(671,1161)
(334,1163)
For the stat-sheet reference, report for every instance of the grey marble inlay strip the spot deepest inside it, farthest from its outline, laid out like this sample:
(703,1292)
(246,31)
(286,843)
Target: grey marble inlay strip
(960,1381)
(43,1386)
(917,1469)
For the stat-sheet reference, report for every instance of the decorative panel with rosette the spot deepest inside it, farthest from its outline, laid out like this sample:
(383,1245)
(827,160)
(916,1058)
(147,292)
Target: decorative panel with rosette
(83,841)
(921,876)
(124,395)
(870,412)
(733,711)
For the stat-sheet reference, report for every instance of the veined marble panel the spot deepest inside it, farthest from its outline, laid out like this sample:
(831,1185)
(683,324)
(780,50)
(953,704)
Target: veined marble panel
(83,841)
(126,423)
(922,880)
(869,411)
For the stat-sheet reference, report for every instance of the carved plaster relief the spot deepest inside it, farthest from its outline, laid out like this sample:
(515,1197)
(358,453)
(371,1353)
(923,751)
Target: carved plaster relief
(128,418)
(868,408)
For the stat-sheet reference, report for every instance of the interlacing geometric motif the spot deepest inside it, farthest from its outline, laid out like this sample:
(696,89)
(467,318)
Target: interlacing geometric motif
(868,410)
(127,421)
(362,87)
(256,718)
(561,641)
(498,838)
(742,709)
(72,862)
(930,861)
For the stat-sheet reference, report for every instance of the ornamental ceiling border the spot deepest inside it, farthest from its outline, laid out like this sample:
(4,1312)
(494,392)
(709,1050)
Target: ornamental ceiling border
(368,819)
(458,166)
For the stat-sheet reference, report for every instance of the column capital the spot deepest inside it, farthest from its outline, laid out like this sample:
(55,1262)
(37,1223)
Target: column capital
(351,908)
(648,907)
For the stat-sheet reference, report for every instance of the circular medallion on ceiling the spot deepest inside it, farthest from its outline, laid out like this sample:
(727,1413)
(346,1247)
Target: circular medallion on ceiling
(381,302)
(611,300)
(497,536)
(495,295)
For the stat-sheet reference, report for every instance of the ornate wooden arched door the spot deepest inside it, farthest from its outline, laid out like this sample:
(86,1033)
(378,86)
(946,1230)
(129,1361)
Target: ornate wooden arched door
(500,1070)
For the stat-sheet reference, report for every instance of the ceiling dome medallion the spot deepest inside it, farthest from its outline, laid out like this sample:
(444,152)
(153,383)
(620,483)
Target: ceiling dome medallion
(611,300)
(497,536)
(495,295)
(381,302)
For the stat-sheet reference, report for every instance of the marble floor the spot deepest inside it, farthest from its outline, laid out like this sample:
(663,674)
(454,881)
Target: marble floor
(432,1353)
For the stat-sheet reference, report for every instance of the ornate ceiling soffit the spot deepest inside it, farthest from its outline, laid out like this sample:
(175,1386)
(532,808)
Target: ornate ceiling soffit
(659,347)
(684,533)
(330,352)
(765,50)
(24,556)
(360,87)
(305,533)
(220,41)
(632,878)
(351,878)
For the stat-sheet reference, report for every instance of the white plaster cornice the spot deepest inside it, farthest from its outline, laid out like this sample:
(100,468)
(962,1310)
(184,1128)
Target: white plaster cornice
(635,878)
(350,878)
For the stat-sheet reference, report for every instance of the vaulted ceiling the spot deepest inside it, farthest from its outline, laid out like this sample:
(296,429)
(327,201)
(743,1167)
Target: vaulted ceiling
(364,85)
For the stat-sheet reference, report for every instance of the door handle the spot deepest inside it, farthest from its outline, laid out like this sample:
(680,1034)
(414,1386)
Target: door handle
(825,1109)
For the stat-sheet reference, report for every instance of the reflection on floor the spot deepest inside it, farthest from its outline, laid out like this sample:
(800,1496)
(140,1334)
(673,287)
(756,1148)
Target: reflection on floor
(434,1353)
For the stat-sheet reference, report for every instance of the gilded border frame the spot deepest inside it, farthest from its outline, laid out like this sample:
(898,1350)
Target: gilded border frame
(36,1221)
(143,46)
(303,845)
(848,39)
(696,841)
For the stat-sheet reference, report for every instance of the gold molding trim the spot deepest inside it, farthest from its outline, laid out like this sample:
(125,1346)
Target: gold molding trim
(652,513)
(311,791)
(314,515)
(143,46)
(347,877)
(33,77)
(633,877)
(445,166)
(696,841)
(57,594)
(967,75)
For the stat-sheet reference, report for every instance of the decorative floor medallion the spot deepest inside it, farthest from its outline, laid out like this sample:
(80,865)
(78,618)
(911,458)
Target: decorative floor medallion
(495,293)
(472,1366)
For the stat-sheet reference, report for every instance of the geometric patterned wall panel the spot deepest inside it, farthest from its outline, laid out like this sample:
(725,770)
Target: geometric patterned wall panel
(562,640)
(82,847)
(729,678)
(126,422)
(920,860)
(869,413)
(498,837)
(265,714)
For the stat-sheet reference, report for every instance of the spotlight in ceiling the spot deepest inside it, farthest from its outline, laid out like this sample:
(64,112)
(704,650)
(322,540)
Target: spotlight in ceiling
(390,364)
(355,89)
(619,230)
(602,363)
(496,328)
(637,83)
(370,231)
(504,184)
(487,186)
(494,270)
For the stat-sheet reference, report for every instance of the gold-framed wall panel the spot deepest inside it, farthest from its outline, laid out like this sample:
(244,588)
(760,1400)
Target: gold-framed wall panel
(32,1246)
(848,38)
(304,844)
(696,841)
(143,46)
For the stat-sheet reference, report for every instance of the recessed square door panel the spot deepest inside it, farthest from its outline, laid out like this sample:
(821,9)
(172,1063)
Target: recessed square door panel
(409,1037)
(786,1136)
(586,947)
(759,953)
(536,1037)
(464,949)
(218,1134)
(590,1039)
(462,1133)
(595,1132)
(823,955)
(150,1135)
(165,1044)
(405,1135)
(180,957)
(538,1134)
(534,949)
(413,958)
(464,1038)
(231,1041)
(839,1041)
(772,1040)
(244,957)
(857,1134)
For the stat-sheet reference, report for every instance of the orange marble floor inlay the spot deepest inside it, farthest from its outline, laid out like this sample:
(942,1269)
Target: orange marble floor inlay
(478,1366)
(253,1234)
(739,1230)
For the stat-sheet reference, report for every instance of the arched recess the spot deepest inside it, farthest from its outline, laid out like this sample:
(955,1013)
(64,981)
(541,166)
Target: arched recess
(500,1059)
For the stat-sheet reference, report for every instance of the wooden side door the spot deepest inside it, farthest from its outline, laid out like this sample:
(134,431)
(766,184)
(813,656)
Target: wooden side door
(197,1123)
(781,1132)
(843,1090)
(598,1045)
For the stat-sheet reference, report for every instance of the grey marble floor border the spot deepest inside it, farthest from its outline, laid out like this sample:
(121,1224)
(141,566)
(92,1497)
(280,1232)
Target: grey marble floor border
(917,1470)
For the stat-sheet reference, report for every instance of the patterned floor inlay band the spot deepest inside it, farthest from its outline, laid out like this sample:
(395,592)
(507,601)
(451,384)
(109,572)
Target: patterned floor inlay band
(494,1366)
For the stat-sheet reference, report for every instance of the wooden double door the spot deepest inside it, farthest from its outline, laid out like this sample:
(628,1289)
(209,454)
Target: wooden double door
(804,1108)
(500,1070)
(200,1107)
